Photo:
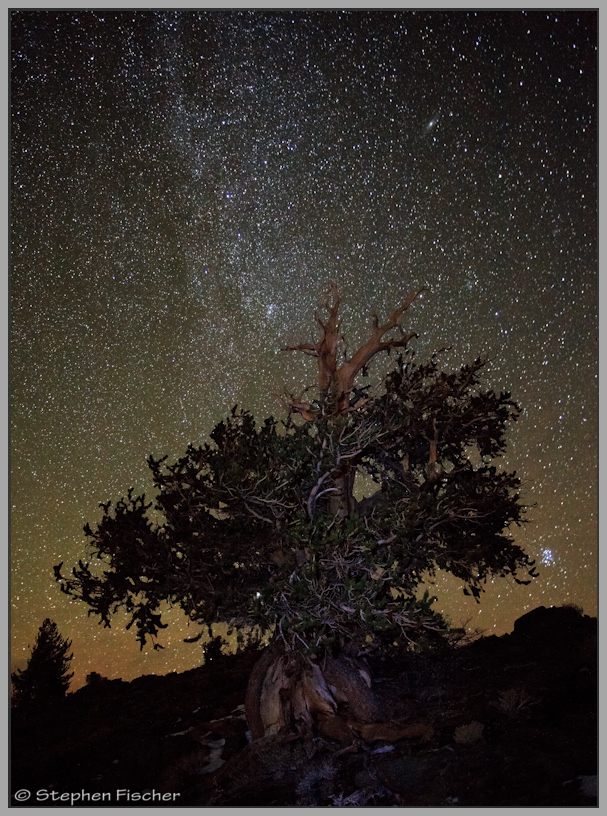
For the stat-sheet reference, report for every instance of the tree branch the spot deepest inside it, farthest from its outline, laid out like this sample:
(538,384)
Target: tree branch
(340,381)
(348,371)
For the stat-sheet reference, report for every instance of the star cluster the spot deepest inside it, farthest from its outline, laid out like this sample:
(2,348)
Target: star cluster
(185,186)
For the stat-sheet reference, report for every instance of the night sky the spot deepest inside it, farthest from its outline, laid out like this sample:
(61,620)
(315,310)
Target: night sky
(184,187)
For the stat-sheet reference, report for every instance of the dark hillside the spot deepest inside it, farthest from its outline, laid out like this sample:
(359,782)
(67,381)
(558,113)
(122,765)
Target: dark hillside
(503,721)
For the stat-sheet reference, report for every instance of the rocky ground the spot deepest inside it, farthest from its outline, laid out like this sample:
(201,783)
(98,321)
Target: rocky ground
(504,721)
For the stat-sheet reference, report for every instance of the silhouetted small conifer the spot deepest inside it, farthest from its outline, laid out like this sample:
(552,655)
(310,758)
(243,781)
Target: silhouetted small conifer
(46,677)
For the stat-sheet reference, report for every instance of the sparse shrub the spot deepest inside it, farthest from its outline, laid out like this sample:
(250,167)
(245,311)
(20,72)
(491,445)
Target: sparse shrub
(316,785)
(361,797)
(96,679)
(575,608)
(469,732)
(213,649)
(515,702)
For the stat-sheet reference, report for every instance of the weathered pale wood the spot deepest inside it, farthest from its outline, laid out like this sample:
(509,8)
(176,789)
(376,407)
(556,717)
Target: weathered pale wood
(338,380)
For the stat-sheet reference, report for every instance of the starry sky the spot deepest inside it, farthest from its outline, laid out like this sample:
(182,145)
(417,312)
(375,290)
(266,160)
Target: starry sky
(184,187)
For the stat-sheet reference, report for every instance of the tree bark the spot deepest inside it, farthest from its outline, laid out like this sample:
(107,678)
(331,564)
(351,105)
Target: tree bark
(253,694)
(341,502)
(292,695)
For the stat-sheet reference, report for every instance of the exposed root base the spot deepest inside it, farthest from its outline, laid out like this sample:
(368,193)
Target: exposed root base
(290,695)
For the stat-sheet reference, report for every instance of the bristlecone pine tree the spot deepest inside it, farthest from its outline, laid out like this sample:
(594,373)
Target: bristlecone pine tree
(46,677)
(261,528)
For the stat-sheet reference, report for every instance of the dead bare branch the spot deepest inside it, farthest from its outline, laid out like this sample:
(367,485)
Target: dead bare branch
(339,380)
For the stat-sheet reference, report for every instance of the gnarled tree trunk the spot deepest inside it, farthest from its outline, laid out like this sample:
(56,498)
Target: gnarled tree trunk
(291,695)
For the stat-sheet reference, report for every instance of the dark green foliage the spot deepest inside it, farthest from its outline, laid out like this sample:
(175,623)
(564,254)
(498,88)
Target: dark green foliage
(46,677)
(249,533)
